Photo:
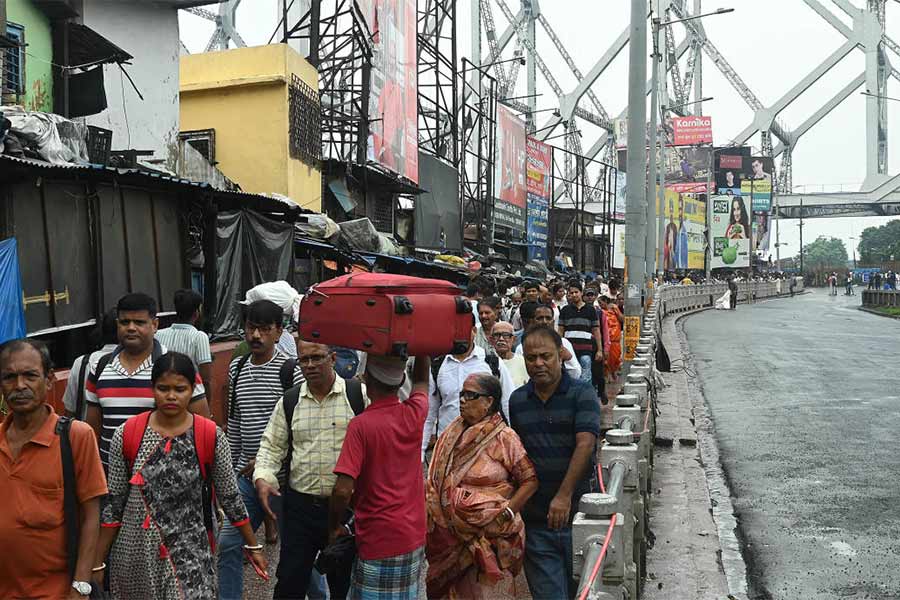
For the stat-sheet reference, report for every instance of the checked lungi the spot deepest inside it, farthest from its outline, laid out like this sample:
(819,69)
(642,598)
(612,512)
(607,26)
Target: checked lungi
(395,578)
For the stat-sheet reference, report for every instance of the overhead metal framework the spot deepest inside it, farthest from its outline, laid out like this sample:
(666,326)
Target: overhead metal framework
(511,31)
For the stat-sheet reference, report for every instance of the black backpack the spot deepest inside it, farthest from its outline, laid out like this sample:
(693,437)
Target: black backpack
(285,376)
(292,397)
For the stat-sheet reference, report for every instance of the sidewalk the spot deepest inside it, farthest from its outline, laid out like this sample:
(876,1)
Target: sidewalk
(685,561)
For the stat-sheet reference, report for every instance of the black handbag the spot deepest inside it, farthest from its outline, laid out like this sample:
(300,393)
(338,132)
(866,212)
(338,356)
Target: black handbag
(337,558)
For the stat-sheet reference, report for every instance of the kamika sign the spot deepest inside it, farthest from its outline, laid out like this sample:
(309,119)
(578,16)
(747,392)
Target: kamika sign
(691,131)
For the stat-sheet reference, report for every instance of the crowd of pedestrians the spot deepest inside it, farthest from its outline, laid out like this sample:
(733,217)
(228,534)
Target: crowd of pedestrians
(375,474)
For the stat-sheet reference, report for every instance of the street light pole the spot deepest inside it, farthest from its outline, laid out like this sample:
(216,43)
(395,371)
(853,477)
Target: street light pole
(655,212)
(636,194)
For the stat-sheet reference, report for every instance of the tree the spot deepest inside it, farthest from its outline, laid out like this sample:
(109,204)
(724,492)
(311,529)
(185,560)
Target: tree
(825,253)
(878,244)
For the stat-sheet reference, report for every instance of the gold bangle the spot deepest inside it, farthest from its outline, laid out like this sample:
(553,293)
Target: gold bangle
(102,567)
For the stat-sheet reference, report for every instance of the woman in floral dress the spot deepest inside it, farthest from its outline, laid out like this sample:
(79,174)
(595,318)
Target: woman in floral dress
(152,522)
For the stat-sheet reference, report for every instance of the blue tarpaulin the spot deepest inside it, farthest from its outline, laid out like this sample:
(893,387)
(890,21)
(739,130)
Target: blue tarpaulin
(12,305)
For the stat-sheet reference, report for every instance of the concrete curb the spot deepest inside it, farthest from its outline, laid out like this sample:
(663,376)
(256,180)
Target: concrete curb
(880,314)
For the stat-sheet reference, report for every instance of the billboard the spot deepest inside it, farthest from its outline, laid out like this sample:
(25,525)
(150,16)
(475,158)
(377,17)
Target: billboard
(438,209)
(684,234)
(692,131)
(730,230)
(393,99)
(509,171)
(689,170)
(757,182)
(537,177)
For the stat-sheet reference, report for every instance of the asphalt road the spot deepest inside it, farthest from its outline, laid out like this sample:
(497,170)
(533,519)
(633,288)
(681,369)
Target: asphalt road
(805,397)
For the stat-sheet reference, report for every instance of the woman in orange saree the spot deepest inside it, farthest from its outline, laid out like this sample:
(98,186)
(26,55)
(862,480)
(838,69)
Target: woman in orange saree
(478,481)
(614,356)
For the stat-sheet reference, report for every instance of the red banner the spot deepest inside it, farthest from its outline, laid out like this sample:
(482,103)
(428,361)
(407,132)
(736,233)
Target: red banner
(509,174)
(690,131)
(394,88)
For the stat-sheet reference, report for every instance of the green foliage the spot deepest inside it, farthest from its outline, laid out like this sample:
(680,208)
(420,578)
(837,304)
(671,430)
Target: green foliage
(825,253)
(878,244)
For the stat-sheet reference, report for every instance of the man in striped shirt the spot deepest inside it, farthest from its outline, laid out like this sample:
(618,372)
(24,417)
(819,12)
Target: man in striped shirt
(183,335)
(119,386)
(256,383)
(579,324)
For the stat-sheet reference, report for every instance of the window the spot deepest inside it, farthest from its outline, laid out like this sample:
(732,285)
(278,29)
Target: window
(14,61)
(305,122)
(203,141)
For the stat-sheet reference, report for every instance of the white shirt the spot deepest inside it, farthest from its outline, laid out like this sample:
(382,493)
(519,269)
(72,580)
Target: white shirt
(572,366)
(443,397)
(517,370)
(70,397)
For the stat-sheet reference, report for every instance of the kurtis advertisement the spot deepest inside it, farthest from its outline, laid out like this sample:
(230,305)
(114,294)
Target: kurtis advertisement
(730,230)
(539,157)
(509,176)
(393,100)
(684,241)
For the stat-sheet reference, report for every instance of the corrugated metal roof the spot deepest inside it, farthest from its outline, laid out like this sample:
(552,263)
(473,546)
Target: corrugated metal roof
(261,201)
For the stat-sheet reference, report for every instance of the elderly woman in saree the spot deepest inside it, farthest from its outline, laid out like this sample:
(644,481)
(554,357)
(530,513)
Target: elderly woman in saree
(478,480)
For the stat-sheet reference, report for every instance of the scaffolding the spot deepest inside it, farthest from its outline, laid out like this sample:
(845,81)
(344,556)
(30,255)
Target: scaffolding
(478,127)
(438,79)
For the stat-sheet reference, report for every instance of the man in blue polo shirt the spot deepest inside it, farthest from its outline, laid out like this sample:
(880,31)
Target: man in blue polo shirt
(558,421)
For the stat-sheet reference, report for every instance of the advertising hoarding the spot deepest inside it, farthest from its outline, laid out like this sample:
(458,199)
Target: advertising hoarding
(437,224)
(689,170)
(691,131)
(538,165)
(731,230)
(393,99)
(509,174)
(684,243)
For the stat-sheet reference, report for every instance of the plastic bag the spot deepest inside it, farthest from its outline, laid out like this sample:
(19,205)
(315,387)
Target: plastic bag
(279,292)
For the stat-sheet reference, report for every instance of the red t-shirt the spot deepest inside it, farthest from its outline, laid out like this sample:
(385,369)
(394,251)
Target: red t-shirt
(382,452)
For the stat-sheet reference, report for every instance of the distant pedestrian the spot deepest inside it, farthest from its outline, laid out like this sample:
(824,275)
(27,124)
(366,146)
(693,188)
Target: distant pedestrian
(380,472)
(106,335)
(45,554)
(502,338)
(733,288)
(558,420)
(578,323)
(488,314)
(184,337)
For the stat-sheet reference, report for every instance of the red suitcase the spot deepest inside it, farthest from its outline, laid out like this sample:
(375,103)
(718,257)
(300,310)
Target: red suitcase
(386,314)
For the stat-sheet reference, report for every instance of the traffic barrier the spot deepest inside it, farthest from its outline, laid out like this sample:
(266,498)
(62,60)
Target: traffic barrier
(880,298)
(610,533)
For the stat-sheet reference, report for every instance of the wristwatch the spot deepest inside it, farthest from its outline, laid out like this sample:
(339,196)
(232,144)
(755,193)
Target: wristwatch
(82,587)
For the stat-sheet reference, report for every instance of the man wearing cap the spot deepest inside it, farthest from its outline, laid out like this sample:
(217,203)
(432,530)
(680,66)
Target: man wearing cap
(380,471)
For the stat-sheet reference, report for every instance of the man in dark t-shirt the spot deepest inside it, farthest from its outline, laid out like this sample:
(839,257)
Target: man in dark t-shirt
(578,323)
(558,420)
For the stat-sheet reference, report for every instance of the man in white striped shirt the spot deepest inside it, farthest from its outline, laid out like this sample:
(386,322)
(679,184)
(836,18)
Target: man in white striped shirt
(183,335)
(256,382)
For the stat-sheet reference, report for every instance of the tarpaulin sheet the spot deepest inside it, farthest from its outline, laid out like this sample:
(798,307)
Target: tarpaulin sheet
(250,249)
(12,307)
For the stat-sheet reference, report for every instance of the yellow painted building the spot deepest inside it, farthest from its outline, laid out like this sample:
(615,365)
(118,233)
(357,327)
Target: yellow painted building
(244,95)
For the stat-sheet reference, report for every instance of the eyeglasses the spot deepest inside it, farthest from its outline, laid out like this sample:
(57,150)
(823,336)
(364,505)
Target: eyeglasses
(468,395)
(262,329)
(314,360)
(503,335)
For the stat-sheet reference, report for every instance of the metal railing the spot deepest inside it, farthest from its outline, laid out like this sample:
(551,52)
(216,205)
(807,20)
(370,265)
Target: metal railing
(610,532)
(880,298)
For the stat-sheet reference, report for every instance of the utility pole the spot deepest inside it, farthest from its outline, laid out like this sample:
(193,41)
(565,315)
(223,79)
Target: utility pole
(801,236)
(635,213)
(654,210)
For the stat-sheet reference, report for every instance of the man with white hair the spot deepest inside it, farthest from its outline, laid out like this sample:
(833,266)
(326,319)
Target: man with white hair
(379,469)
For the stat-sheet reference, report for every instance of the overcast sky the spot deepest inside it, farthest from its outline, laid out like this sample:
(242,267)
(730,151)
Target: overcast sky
(772,44)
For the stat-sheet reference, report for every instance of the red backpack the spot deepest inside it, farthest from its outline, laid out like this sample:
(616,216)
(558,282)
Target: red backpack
(204,444)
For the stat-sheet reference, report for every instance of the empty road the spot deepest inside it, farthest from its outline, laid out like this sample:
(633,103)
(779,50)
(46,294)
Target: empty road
(805,397)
